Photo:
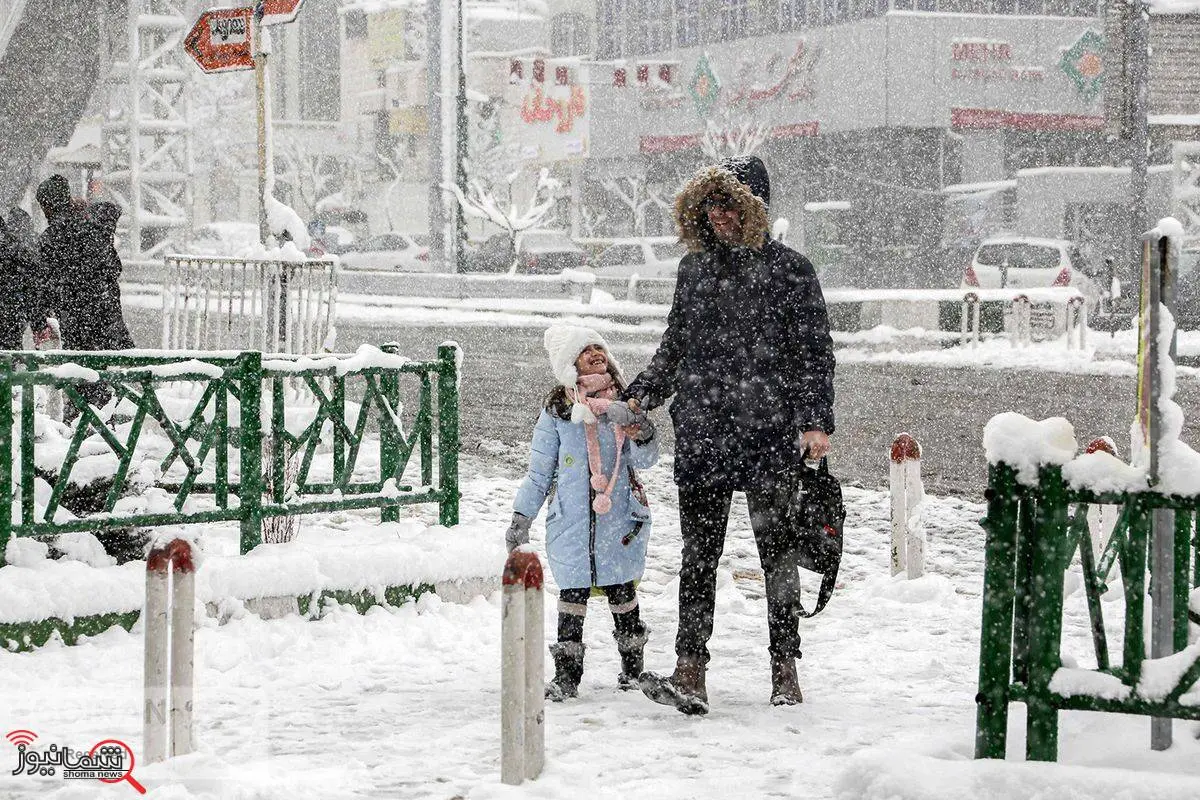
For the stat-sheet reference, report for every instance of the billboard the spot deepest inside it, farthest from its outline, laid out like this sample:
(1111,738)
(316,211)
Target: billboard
(549,109)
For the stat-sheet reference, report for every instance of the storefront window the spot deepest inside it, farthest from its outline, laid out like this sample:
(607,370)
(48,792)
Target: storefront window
(734,14)
(687,23)
(792,14)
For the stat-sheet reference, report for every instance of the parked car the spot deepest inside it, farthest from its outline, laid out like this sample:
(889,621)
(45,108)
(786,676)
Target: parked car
(647,257)
(1025,262)
(405,252)
(546,251)
(494,254)
(221,239)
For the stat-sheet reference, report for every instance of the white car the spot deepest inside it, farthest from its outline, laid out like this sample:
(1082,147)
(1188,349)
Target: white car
(1025,262)
(229,239)
(648,257)
(403,252)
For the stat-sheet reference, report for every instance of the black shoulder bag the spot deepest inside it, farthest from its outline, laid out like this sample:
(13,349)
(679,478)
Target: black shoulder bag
(816,521)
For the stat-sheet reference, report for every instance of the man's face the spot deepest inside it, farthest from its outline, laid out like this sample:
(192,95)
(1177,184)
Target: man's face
(724,217)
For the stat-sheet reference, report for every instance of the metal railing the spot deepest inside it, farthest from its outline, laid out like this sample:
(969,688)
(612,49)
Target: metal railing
(271,305)
(211,446)
(1033,535)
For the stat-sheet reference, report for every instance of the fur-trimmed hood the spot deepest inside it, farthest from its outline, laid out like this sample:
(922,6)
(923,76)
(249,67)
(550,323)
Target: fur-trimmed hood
(745,180)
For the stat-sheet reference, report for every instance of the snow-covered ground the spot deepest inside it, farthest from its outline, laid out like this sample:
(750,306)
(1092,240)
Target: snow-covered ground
(404,703)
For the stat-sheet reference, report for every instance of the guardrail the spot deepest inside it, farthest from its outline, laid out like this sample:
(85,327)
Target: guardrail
(1033,534)
(209,456)
(272,305)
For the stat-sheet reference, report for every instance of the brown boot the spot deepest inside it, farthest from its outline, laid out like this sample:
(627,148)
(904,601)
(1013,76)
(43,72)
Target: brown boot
(785,689)
(684,689)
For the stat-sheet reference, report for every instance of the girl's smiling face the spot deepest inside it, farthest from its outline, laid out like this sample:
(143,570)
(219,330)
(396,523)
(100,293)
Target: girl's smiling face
(592,361)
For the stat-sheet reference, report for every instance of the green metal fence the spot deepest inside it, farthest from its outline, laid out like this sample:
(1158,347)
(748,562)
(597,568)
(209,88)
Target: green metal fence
(1033,534)
(216,445)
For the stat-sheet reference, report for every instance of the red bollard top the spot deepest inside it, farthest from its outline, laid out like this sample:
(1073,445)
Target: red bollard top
(523,568)
(1021,298)
(905,448)
(1103,443)
(970,297)
(177,552)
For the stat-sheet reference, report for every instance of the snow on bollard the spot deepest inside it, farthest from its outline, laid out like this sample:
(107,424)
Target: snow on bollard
(970,319)
(522,672)
(908,493)
(170,650)
(1022,321)
(1102,519)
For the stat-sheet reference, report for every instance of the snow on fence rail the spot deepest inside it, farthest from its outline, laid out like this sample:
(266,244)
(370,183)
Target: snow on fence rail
(273,305)
(199,427)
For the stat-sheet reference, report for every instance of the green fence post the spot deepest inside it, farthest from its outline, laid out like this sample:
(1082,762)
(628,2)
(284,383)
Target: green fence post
(1023,608)
(389,435)
(1183,530)
(995,641)
(250,483)
(6,454)
(1045,623)
(27,460)
(1133,578)
(448,434)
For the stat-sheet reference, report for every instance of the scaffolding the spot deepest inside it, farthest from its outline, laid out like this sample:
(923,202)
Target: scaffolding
(147,132)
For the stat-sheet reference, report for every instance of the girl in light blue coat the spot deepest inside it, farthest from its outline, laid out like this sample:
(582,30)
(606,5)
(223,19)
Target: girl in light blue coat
(586,446)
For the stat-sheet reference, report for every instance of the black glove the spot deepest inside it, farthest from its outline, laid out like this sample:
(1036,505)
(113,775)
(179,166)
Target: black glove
(518,531)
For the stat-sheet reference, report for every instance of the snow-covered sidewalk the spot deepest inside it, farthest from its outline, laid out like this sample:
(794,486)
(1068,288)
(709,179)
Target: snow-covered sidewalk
(404,703)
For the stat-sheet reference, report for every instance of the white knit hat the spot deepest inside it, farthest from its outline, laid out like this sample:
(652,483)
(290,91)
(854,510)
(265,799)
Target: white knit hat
(564,343)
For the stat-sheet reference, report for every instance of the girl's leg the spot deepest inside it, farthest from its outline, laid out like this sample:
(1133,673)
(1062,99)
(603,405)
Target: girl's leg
(568,650)
(629,631)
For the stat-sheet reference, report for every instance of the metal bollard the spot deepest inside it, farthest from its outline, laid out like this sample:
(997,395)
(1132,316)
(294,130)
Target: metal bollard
(170,650)
(1076,324)
(908,532)
(522,670)
(970,319)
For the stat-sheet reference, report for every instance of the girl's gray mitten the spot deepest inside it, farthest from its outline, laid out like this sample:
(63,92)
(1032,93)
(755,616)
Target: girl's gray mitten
(518,531)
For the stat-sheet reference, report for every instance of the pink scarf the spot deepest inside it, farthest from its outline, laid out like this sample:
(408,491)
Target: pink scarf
(597,393)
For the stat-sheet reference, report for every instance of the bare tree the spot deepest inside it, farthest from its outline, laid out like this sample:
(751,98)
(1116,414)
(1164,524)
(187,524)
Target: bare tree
(307,172)
(480,202)
(734,133)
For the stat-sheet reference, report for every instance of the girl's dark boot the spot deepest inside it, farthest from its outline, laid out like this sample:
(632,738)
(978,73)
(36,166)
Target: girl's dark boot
(631,646)
(568,671)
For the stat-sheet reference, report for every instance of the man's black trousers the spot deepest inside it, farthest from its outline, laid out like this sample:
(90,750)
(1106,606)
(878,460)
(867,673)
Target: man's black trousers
(703,519)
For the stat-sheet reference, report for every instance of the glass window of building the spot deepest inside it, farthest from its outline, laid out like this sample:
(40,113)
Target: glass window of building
(792,14)
(734,16)
(610,28)
(570,34)
(687,23)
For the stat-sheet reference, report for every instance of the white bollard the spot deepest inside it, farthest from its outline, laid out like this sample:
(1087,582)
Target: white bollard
(1076,324)
(1102,519)
(908,530)
(522,670)
(170,651)
(1022,323)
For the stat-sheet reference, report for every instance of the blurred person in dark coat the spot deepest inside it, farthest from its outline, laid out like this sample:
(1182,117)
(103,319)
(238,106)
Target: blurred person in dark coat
(21,282)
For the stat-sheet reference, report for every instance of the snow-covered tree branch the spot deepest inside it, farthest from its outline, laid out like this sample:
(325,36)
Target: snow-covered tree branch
(480,202)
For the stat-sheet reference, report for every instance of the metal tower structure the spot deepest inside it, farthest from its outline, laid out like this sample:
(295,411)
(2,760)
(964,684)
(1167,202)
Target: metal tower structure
(147,135)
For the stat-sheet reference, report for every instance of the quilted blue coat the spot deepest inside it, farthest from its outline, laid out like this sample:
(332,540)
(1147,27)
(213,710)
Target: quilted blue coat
(585,548)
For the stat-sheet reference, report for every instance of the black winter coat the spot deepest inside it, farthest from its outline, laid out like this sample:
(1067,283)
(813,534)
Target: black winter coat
(84,273)
(747,352)
(21,282)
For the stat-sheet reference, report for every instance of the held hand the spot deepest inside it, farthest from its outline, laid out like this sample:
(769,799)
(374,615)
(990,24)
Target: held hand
(622,414)
(634,405)
(816,443)
(42,335)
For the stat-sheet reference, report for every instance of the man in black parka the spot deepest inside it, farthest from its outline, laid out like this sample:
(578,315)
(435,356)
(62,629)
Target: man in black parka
(748,357)
(82,269)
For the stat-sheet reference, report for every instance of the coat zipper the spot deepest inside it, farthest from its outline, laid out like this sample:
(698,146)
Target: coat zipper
(592,533)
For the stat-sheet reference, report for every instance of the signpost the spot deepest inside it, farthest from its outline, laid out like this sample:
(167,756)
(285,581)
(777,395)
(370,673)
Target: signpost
(277,12)
(220,40)
(229,39)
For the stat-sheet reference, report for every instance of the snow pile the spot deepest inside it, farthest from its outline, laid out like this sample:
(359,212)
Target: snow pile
(878,774)
(284,219)
(319,558)
(1104,472)
(1161,675)
(1026,444)
(1073,682)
